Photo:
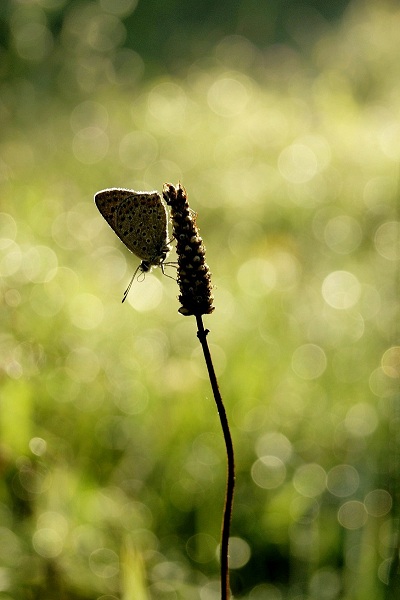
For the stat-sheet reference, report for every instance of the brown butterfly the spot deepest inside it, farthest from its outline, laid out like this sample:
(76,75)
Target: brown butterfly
(140,220)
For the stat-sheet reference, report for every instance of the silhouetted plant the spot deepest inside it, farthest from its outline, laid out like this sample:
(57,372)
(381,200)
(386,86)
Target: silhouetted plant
(194,280)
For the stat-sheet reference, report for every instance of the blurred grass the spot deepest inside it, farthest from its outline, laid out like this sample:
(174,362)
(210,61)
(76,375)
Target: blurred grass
(112,459)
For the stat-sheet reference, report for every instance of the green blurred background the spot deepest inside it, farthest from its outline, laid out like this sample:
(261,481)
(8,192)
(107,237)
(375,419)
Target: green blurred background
(282,120)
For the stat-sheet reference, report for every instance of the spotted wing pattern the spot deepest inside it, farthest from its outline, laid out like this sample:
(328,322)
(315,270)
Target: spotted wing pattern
(140,221)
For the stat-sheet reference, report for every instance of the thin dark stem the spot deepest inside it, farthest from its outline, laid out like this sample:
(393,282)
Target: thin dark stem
(230,484)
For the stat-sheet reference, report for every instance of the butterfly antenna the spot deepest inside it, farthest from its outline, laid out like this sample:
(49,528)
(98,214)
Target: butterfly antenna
(130,283)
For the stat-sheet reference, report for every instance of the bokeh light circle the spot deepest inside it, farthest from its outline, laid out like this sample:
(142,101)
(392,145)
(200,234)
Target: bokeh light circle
(341,290)
(268,472)
(309,480)
(387,240)
(104,563)
(309,361)
(352,514)
(239,552)
(342,480)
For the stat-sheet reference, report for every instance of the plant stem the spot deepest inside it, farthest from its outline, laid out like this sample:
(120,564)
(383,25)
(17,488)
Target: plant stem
(230,484)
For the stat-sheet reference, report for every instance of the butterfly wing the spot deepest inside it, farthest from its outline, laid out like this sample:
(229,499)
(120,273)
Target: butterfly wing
(139,219)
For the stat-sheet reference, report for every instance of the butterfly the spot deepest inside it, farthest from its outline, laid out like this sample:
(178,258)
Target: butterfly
(140,220)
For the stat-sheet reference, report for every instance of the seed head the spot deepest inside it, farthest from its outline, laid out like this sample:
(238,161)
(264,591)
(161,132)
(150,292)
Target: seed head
(194,277)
